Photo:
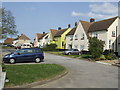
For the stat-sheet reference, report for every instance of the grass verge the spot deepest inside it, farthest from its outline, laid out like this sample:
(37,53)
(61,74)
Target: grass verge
(84,56)
(26,74)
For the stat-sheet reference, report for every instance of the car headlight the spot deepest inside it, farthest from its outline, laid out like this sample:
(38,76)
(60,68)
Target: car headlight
(6,56)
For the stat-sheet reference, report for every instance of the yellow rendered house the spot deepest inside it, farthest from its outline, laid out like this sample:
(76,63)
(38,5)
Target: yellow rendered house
(58,37)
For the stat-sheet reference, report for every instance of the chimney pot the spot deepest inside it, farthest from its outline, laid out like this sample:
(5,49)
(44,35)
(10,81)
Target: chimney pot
(75,23)
(92,20)
(59,28)
(69,26)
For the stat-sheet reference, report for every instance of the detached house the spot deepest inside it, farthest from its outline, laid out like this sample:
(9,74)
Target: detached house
(44,40)
(106,30)
(58,37)
(9,41)
(41,39)
(77,38)
(22,41)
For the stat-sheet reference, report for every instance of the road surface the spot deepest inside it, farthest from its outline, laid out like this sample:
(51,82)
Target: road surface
(82,74)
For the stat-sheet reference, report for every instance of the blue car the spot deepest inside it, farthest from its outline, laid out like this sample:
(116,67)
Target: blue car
(25,54)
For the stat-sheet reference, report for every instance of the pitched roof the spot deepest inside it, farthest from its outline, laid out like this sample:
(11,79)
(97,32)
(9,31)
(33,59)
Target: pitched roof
(53,31)
(40,36)
(22,37)
(43,35)
(85,25)
(60,32)
(72,31)
(101,25)
(9,41)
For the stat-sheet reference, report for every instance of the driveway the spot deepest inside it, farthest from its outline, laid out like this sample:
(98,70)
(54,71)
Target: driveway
(82,74)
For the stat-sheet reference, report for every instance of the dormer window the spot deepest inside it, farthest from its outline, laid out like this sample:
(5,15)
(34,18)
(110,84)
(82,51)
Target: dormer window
(95,35)
(113,33)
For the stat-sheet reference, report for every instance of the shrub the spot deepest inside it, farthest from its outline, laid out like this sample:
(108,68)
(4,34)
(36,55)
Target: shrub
(50,47)
(96,47)
(102,57)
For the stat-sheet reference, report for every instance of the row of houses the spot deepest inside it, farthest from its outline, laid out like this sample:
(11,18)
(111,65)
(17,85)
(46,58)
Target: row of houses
(23,41)
(107,30)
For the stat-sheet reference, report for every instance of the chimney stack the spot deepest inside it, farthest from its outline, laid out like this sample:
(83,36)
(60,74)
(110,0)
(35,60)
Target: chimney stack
(75,24)
(92,20)
(59,28)
(69,26)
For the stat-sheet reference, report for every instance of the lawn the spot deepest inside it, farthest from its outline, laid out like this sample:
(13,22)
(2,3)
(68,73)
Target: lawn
(24,74)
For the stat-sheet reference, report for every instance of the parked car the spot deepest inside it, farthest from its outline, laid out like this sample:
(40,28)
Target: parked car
(9,45)
(72,52)
(17,47)
(26,54)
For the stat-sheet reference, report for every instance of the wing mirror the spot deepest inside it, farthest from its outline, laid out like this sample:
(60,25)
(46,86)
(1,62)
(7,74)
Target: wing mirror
(18,53)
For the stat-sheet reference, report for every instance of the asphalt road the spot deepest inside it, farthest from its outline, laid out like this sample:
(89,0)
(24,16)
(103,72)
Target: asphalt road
(82,74)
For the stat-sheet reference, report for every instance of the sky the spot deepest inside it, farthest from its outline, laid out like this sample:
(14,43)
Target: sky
(39,17)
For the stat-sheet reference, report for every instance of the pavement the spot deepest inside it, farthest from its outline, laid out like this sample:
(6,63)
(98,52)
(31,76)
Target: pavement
(82,74)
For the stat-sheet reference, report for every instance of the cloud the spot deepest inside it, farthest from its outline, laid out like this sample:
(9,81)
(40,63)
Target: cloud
(99,11)
(105,8)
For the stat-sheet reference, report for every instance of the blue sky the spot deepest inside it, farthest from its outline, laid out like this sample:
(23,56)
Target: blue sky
(38,17)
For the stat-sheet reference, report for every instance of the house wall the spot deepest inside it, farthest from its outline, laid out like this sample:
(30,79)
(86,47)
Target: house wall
(51,39)
(60,40)
(107,37)
(36,43)
(69,39)
(113,27)
(44,41)
(80,44)
(101,35)
(119,37)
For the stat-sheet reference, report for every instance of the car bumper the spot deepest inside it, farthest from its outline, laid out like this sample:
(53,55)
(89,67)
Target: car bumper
(5,59)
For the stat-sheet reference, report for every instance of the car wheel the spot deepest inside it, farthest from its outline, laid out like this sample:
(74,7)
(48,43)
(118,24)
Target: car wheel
(37,60)
(69,53)
(79,53)
(12,61)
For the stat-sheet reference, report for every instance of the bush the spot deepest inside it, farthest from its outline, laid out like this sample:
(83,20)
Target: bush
(50,47)
(96,47)
(102,57)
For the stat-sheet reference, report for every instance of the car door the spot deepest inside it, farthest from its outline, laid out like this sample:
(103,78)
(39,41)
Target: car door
(30,54)
(76,51)
(20,55)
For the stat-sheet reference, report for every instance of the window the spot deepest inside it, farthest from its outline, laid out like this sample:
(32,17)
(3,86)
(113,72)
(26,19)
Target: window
(109,44)
(76,46)
(37,50)
(29,51)
(95,35)
(62,44)
(71,38)
(22,51)
(76,37)
(82,47)
(82,36)
(113,33)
